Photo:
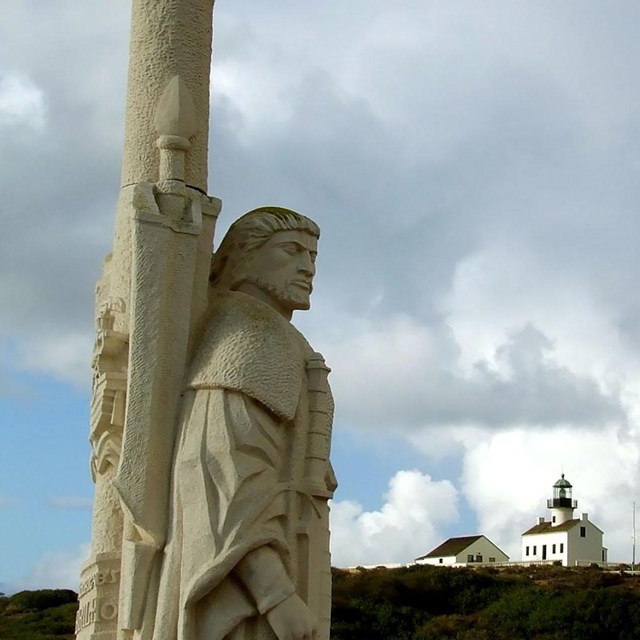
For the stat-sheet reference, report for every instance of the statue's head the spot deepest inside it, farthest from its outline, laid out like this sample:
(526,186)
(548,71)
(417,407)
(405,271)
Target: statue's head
(270,253)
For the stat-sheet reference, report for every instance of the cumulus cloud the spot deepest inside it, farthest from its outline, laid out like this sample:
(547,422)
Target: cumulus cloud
(502,287)
(409,522)
(408,374)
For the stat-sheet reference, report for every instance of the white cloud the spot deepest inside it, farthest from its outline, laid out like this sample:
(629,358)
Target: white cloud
(505,286)
(66,357)
(406,526)
(56,570)
(400,372)
(21,103)
(70,502)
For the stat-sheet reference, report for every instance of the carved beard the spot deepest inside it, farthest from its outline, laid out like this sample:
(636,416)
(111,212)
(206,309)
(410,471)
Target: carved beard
(292,298)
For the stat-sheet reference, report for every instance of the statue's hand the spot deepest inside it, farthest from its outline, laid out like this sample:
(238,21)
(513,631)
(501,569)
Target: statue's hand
(292,620)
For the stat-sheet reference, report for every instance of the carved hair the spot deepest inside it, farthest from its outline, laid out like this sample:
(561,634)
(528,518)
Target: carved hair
(248,233)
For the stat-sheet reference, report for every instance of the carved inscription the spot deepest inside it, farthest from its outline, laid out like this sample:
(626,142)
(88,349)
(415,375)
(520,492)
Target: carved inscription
(110,576)
(96,604)
(86,614)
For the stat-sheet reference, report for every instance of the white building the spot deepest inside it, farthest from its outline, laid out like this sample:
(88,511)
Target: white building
(563,538)
(463,552)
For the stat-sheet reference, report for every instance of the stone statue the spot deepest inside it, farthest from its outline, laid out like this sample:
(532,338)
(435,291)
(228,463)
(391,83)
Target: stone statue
(210,413)
(247,554)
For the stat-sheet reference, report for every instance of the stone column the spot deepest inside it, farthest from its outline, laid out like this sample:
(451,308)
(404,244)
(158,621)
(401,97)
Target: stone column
(169,39)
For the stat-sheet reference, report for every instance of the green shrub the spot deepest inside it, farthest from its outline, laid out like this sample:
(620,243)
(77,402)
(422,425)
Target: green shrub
(38,615)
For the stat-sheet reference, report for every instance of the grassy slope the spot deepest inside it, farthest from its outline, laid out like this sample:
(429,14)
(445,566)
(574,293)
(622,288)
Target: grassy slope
(48,614)
(436,603)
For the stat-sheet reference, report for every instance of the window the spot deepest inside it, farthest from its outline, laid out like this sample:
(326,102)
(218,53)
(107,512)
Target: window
(562,547)
(553,548)
(493,559)
(440,560)
(470,557)
(553,519)
(526,551)
(478,558)
(583,532)
(604,556)
(534,550)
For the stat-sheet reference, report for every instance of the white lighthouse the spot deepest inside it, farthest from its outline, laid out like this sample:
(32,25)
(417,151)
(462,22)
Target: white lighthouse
(564,539)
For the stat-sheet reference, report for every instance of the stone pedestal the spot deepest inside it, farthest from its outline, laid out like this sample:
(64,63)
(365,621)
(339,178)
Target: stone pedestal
(98,596)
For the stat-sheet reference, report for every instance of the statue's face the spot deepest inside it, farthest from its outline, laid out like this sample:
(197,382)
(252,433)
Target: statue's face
(283,269)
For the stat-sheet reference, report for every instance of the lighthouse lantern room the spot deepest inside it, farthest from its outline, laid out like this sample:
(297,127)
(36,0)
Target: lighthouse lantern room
(562,504)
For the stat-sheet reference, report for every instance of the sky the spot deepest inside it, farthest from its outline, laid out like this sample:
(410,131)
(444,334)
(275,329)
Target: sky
(474,169)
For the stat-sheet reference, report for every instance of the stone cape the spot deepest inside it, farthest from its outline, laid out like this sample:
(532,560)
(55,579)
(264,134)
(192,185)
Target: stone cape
(238,543)
(249,347)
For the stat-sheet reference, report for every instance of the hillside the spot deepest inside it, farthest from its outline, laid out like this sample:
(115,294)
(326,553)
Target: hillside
(422,603)
(48,614)
(434,603)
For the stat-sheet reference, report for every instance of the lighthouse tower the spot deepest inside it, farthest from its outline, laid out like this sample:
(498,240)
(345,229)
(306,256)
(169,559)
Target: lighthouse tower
(562,504)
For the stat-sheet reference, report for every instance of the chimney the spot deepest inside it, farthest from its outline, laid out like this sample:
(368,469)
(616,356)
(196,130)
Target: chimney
(585,516)
(540,519)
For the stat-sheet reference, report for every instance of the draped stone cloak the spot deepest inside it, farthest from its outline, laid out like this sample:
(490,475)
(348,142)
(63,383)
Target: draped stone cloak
(251,480)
